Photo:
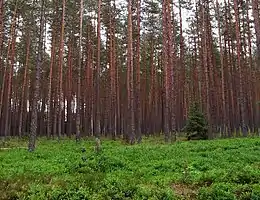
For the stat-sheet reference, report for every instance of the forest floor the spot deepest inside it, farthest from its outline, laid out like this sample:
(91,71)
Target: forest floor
(217,169)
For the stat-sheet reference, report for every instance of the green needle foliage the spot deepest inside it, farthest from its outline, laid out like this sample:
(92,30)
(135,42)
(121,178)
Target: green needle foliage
(197,126)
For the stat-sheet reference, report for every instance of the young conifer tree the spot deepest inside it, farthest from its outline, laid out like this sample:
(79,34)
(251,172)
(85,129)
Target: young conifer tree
(197,126)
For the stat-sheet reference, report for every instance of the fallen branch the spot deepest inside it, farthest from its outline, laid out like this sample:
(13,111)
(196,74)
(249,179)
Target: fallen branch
(7,148)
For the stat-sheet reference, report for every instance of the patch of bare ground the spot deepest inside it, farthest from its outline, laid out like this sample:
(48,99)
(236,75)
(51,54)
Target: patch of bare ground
(188,191)
(185,191)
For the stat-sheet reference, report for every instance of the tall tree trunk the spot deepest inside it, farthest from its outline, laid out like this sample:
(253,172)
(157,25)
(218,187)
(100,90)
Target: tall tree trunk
(118,102)
(240,70)
(223,80)
(79,74)
(130,78)
(97,120)
(173,73)
(112,75)
(33,126)
(53,58)
(183,85)
(60,92)
(151,97)
(69,93)
(166,98)
(6,79)
(255,7)
(7,104)
(1,38)
(252,72)
(49,99)
(24,87)
(138,78)
(205,65)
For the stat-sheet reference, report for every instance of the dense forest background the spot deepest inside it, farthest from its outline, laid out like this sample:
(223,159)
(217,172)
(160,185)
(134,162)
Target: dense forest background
(128,68)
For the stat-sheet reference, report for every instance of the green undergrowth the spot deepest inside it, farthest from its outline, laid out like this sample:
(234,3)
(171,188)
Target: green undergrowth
(204,170)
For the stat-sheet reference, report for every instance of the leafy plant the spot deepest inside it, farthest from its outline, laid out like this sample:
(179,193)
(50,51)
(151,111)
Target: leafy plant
(219,169)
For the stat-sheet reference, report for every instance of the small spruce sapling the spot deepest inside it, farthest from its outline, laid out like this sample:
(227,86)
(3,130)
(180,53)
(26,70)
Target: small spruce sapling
(197,126)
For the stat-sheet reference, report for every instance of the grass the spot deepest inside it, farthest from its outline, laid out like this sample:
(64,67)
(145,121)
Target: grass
(204,170)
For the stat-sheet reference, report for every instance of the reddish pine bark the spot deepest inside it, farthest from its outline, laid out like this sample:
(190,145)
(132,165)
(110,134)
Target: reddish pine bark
(138,78)
(213,75)
(204,64)
(252,78)
(9,83)
(240,70)
(24,87)
(223,80)
(166,97)
(69,92)
(60,92)
(3,88)
(8,76)
(183,86)
(97,99)
(112,52)
(49,97)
